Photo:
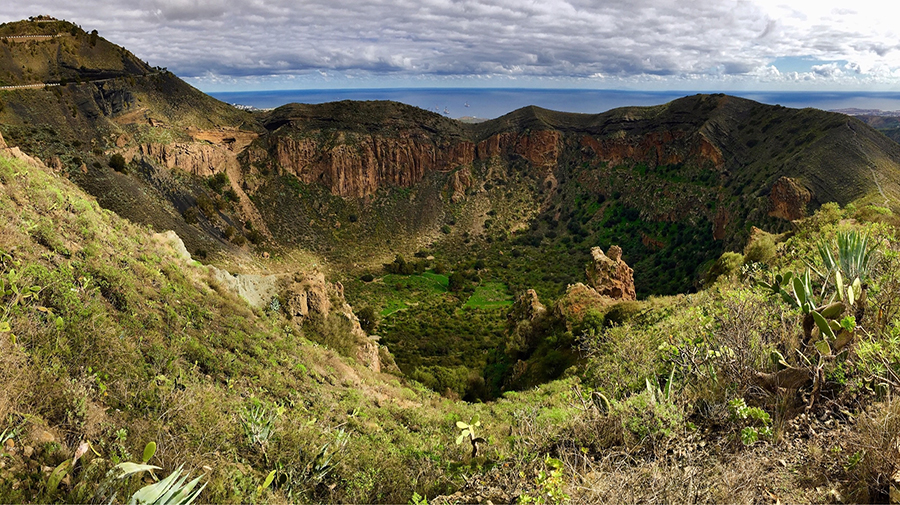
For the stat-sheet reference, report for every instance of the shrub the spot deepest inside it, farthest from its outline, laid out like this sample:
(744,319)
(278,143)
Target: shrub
(190,215)
(117,163)
(761,250)
(872,457)
(648,422)
(231,195)
(207,206)
(368,319)
(255,237)
(218,182)
(727,266)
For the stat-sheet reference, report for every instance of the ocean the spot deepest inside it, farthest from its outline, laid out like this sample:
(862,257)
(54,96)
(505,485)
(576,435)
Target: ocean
(490,103)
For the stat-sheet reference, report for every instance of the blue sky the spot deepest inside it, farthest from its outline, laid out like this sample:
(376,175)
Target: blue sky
(715,45)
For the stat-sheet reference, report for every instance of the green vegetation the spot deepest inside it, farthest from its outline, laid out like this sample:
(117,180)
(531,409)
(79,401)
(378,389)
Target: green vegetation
(489,295)
(109,339)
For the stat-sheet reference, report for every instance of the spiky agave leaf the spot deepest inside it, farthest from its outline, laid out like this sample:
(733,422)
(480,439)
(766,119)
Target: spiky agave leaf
(172,490)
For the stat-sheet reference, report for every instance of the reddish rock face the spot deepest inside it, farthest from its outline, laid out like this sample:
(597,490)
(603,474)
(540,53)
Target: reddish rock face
(788,199)
(541,148)
(720,222)
(460,181)
(360,167)
(198,159)
(654,148)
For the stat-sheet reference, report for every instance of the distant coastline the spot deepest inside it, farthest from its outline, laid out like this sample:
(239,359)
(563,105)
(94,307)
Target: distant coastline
(489,103)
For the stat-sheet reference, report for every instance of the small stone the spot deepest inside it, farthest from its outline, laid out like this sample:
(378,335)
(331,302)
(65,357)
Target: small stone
(28,451)
(9,445)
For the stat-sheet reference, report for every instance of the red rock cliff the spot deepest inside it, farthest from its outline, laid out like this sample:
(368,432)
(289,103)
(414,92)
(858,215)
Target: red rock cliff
(355,167)
(654,148)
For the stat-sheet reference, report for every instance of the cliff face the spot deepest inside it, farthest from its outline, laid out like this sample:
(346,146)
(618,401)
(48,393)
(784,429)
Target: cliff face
(202,160)
(358,166)
(654,149)
(354,166)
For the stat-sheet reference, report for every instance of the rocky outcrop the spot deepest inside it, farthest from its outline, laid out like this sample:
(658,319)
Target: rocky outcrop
(307,294)
(524,321)
(460,181)
(202,160)
(15,152)
(541,148)
(788,199)
(579,298)
(232,139)
(609,275)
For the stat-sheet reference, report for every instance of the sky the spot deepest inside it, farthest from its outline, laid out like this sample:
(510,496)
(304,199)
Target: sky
(713,45)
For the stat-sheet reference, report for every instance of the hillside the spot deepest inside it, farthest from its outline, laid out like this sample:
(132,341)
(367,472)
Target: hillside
(352,186)
(111,339)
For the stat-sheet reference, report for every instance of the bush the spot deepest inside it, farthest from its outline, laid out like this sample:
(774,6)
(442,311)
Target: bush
(207,206)
(117,163)
(255,237)
(368,319)
(190,215)
(872,457)
(728,266)
(648,422)
(218,182)
(761,250)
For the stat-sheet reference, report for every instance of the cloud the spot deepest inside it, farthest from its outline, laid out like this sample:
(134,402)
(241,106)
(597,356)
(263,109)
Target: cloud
(595,40)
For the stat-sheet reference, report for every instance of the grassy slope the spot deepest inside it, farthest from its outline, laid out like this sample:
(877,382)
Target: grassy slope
(119,342)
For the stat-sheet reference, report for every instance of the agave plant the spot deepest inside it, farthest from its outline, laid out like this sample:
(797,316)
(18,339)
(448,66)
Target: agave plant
(173,490)
(854,255)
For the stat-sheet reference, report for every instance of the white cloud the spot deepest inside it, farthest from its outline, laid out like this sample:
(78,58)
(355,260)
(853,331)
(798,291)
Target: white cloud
(601,41)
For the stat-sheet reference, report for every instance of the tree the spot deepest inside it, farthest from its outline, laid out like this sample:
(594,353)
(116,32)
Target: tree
(117,162)
(368,319)
(456,282)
